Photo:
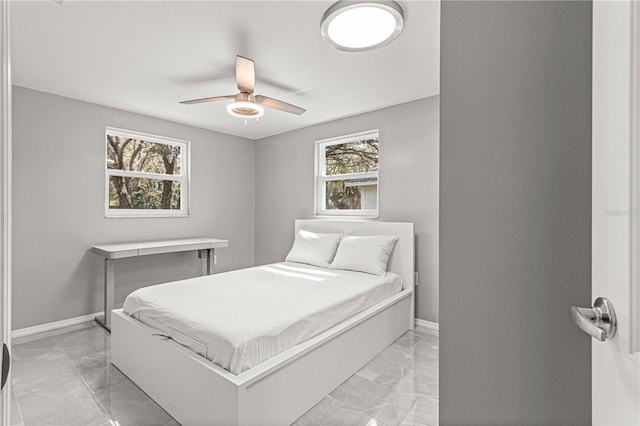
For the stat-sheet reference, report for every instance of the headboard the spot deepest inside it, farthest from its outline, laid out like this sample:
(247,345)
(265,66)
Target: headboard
(402,260)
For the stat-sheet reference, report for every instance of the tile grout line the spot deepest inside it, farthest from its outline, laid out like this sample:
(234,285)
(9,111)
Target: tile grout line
(12,386)
(414,401)
(18,405)
(420,338)
(93,395)
(17,397)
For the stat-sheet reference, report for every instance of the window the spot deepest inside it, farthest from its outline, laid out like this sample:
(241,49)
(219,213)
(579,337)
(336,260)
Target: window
(145,175)
(347,175)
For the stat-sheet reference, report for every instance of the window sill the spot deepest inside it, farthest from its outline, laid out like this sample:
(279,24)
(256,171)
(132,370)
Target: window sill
(146,216)
(346,217)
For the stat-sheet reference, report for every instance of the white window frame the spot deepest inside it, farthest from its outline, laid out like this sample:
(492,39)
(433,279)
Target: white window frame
(183,178)
(321,176)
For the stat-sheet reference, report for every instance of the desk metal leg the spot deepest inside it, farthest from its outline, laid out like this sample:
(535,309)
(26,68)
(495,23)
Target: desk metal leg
(211,259)
(207,259)
(203,255)
(109,294)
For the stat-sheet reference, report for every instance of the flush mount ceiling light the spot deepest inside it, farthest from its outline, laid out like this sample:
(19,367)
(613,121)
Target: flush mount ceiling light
(361,25)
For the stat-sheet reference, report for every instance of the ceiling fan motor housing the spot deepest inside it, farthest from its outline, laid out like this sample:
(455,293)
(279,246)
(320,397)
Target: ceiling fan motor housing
(245,106)
(245,97)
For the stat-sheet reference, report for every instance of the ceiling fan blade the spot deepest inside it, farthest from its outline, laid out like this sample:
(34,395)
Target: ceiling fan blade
(279,105)
(213,99)
(245,74)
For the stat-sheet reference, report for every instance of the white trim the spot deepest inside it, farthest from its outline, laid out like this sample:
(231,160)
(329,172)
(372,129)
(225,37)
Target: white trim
(5,198)
(356,214)
(634,290)
(321,177)
(184,178)
(428,326)
(145,175)
(50,326)
(349,176)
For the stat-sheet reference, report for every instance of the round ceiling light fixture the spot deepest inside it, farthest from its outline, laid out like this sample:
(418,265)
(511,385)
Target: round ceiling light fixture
(362,25)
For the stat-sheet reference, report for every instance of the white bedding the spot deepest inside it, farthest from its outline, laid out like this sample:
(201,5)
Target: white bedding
(238,319)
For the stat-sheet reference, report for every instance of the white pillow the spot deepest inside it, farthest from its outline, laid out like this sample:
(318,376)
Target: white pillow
(368,254)
(314,248)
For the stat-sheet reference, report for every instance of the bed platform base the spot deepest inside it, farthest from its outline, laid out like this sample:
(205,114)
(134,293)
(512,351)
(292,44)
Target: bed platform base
(276,392)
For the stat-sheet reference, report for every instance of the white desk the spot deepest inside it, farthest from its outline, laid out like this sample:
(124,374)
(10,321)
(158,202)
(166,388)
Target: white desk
(206,252)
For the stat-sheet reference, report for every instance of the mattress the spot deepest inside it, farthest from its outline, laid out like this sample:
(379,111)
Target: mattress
(241,318)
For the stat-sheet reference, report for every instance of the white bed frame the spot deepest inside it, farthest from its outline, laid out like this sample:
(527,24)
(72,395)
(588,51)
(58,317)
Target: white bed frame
(278,391)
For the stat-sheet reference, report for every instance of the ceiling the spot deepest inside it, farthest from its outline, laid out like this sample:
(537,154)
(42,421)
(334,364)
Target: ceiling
(147,56)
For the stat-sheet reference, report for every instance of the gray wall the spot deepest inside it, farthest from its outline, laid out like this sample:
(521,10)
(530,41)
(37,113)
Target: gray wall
(515,212)
(58,206)
(409,144)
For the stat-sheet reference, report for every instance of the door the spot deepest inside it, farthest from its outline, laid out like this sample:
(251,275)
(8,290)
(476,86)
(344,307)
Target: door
(5,208)
(616,209)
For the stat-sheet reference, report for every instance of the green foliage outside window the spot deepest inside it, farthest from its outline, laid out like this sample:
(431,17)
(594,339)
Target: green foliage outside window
(135,155)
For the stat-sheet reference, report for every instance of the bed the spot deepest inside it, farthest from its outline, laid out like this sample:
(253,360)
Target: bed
(274,380)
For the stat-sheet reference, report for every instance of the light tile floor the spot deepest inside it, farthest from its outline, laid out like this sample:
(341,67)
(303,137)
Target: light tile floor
(65,378)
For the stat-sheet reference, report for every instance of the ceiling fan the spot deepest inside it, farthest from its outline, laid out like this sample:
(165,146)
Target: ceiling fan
(246,104)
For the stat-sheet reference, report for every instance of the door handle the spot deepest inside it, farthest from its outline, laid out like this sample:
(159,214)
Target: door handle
(599,322)
(6,362)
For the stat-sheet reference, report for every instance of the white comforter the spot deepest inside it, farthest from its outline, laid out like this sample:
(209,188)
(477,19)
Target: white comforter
(241,318)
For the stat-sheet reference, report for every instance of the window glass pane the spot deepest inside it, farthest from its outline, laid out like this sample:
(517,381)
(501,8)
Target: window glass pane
(352,194)
(352,157)
(139,193)
(141,156)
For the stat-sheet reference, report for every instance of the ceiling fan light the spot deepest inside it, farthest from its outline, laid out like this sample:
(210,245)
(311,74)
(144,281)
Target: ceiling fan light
(245,109)
(365,25)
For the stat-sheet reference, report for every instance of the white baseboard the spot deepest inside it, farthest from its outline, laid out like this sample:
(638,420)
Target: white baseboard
(427,326)
(27,331)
